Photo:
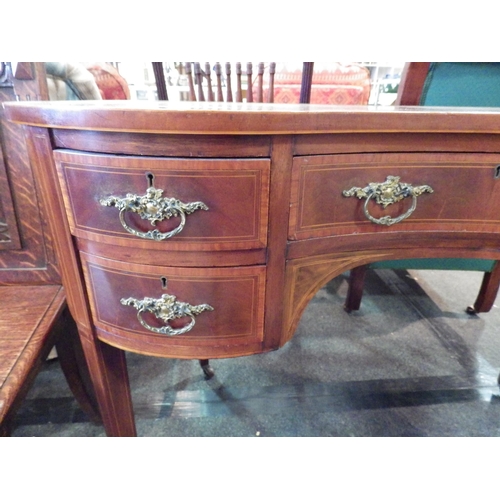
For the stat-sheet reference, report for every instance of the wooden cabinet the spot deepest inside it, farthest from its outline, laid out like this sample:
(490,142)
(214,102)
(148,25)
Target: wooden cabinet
(282,188)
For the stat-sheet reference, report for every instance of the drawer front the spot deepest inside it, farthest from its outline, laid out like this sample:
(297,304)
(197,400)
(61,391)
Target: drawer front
(225,202)
(227,305)
(464,194)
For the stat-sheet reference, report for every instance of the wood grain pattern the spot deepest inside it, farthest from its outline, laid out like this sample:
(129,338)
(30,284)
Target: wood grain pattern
(218,146)
(397,142)
(28,330)
(463,244)
(33,319)
(304,277)
(9,233)
(186,258)
(35,261)
(235,191)
(279,205)
(311,235)
(23,309)
(320,209)
(236,295)
(208,119)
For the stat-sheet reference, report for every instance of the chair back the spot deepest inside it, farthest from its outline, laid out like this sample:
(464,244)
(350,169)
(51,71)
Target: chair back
(450,84)
(214,82)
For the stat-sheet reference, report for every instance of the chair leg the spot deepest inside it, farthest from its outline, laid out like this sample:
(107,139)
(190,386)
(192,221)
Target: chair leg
(488,291)
(74,367)
(355,289)
(6,428)
(207,369)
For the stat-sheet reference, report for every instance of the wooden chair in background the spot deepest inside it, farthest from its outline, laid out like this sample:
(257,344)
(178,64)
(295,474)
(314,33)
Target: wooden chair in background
(217,83)
(33,313)
(443,84)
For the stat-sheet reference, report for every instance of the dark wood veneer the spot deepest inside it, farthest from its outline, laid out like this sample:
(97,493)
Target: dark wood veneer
(222,146)
(398,142)
(307,155)
(319,208)
(235,191)
(236,294)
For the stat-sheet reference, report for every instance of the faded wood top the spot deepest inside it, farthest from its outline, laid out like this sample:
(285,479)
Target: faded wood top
(28,315)
(252,118)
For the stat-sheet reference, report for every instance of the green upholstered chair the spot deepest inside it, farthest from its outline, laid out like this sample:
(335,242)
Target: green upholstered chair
(443,84)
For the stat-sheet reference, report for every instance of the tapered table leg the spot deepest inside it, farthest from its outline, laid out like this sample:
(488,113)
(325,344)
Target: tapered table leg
(108,371)
(355,289)
(74,367)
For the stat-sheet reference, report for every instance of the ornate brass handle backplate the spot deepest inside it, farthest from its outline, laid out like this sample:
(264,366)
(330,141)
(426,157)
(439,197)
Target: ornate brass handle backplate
(154,208)
(166,308)
(385,194)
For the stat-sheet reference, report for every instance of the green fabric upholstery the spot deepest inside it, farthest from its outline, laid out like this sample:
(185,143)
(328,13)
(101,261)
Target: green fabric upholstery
(455,84)
(462,84)
(483,265)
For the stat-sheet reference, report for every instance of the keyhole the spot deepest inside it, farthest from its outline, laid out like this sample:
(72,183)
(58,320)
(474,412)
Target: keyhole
(497,172)
(163,282)
(150,177)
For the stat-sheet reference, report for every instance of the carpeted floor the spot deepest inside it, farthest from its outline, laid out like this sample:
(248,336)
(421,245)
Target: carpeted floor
(411,362)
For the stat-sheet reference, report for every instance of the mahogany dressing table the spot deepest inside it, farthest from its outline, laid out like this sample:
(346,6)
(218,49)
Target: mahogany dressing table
(202,230)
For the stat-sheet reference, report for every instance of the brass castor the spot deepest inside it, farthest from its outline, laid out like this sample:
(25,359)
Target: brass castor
(471,310)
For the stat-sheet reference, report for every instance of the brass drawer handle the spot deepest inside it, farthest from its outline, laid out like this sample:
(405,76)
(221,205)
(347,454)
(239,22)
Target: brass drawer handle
(166,308)
(153,208)
(386,193)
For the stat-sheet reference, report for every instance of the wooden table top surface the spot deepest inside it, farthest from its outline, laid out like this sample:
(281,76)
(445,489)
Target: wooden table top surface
(249,118)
